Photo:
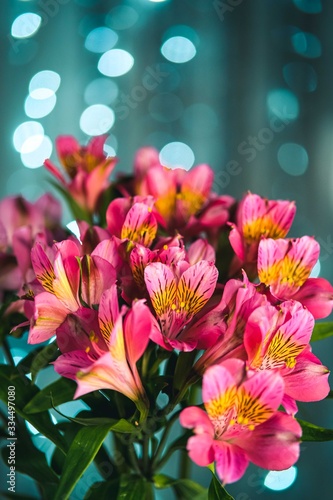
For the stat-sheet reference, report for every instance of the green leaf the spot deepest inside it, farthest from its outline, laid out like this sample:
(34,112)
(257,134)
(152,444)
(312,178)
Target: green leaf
(312,432)
(135,488)
(81,453)
(121,425)
(28,459)
(59,392)
(104,489)
(24,392)
(216,491)
(322,331)
(43,358)
(185,489)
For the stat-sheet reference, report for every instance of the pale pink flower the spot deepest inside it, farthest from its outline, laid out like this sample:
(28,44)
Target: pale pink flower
(285,266)
(241,423)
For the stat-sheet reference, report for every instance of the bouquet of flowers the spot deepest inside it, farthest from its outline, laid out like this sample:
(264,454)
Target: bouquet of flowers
(172,303)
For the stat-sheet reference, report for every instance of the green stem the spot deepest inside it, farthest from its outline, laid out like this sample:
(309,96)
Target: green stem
(165,437)
(134,459)
(8,353)
(185,465)
(145,455)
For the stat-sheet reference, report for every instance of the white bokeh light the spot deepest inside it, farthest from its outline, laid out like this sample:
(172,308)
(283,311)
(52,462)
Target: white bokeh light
(37,108)
(25,25)
(97,119)
(178,49)
(36,158)
(44,84)
(100,40)
(316,270)
(28,136)
(280,480)
(115,62)
(74,228)
(177,155)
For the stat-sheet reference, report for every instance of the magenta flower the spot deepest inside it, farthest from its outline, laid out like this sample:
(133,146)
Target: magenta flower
(229,318)
(258,217)
(132,219)
(22,224)
(277,338)
(183,200)
(241,422)
(285,266)
(69,281)
(87,167)
(106,355)
(177,296)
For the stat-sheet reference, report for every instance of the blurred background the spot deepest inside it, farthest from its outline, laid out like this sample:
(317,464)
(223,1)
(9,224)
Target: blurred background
(245,86)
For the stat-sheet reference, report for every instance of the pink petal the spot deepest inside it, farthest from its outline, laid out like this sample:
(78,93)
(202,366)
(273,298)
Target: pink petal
(96,182)
(140,256)
(197,419)
(116,214)
(111,370)
(145,159)
(69,364)
(196,286)
(79,332)
(199,180)
(97,275)
(49,314)
(108,312)
(317,295)
(217,384)
(96,147)
(275,444)
(200,449)
(140,225)
(66,145)
(200,250)
(137,330)
(231,462)
(236,241)
(265,389)
(22,243)
(54,171)
(309,379)
(43,268)
(161,286)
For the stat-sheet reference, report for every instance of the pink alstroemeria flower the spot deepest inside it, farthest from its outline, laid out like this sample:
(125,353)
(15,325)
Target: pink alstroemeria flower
(69,281)
(277,338)
(241,422)
(132,219)
(21,224)
(177,296)
(108,355)
(285,266)
(183,199)
(256,218)
(229,317)
(87,167)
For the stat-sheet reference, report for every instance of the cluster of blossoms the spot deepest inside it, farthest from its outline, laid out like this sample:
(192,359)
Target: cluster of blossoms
(172,267)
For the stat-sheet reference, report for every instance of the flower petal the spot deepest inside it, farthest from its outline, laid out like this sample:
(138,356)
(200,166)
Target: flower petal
(196,286)
(275,444)
(231,462)
(108,312)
